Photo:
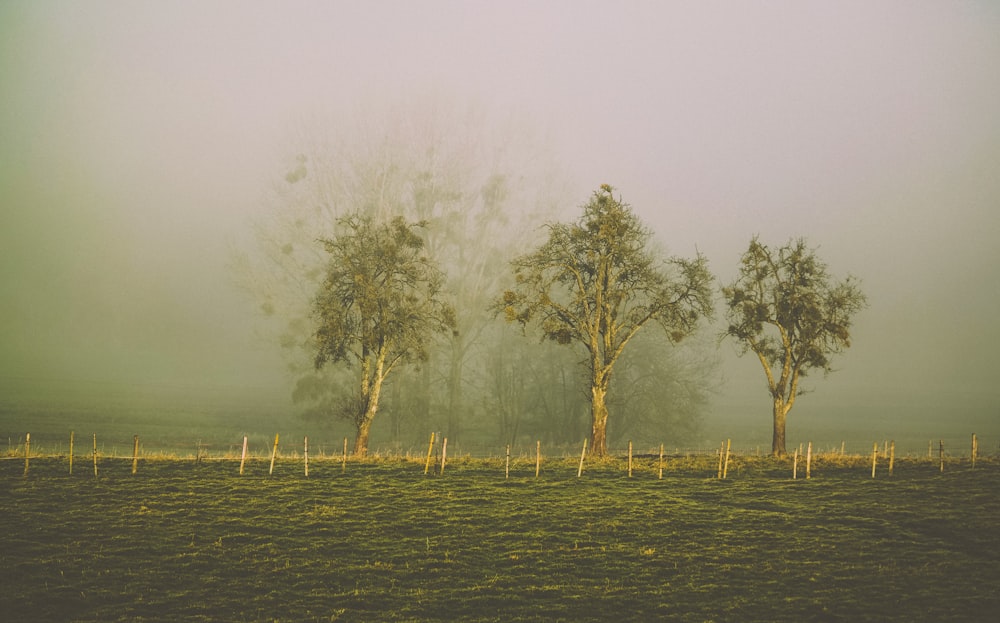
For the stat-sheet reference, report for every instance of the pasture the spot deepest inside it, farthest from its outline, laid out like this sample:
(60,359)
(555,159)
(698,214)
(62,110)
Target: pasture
(381,541)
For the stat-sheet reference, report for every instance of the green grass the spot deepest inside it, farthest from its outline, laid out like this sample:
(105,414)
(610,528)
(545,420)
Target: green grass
(383,542)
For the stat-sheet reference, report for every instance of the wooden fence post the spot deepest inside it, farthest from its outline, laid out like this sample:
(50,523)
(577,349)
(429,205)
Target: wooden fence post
(629,458)
(305,454)
(70,453)
(506,474)
(579,472)
(27,451)
(795,465)
(661,462)
(430,450)
(274,454)
(95,455)
(243,456)
(809,458)
(975,450)
(444,453)
(135,453)
(874,457)
(941,452)
(538,457)
(343,463)
(722,448)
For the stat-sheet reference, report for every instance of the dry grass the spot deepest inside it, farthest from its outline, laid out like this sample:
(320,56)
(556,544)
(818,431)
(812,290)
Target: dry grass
(182,540)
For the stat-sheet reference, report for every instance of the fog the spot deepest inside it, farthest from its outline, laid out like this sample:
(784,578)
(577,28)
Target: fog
(139,141)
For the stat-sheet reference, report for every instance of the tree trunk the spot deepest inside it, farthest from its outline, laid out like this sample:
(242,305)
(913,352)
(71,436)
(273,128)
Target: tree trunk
(364,425)
(361,439)
(371,389)
(778,439)
(599,409)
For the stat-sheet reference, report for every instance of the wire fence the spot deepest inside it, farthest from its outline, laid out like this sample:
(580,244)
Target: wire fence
(320,446)
(730,458)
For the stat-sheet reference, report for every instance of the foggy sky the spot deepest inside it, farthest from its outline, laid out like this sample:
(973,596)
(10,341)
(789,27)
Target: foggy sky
(138,138)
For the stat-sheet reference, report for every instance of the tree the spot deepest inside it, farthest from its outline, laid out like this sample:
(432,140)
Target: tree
(379,305)
(787,309)
(481,183)
(596,283)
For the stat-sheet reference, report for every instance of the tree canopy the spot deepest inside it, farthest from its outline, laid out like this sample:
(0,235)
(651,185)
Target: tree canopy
(787,309)
(597,282)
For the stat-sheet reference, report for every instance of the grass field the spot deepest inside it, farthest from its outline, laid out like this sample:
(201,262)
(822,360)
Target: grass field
(382,542)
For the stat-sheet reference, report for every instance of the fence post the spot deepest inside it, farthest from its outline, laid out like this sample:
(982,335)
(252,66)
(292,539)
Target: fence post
(95,455)
(135,453)
(975,450)
(243,456)
(538,456)
(430,450)
(70,453)
(444,453)
(661,461)
(506,473)
(579,472)
(874,457)
(305,454)
(27,451)
(941,453)
(629,458)
(725,466)
(274,454)
(809,458)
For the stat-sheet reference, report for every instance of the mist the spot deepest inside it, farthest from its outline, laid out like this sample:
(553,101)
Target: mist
(140,141)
